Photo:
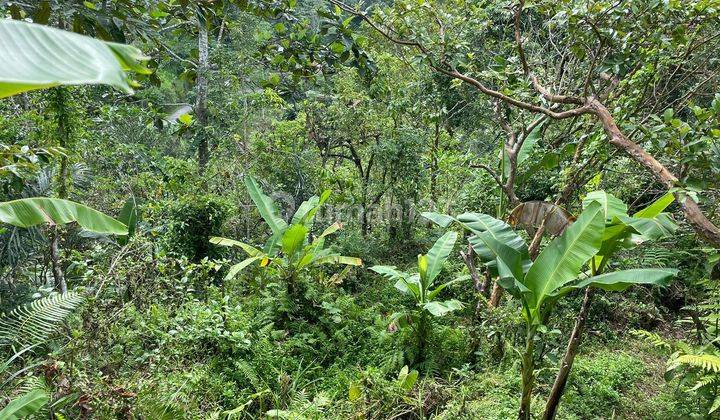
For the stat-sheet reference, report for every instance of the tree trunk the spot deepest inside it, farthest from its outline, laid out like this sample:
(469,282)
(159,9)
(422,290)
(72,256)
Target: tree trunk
(62,121)
(562,376)
(202,87)
(434,163)
(55,260)
(495,295)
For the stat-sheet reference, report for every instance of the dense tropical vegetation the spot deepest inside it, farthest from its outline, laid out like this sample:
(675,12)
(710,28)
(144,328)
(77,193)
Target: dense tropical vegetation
(387,209)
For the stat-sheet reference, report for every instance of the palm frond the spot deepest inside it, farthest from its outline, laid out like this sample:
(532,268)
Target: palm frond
(34,323)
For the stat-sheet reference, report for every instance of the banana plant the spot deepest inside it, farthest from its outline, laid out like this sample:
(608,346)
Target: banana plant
(289,248)
(601,229)
(421,286)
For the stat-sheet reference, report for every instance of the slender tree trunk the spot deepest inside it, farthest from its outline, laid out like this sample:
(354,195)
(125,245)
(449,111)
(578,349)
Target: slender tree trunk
(202,88)
(62,121)
(572,348)
(55,260)
(434,163)
(495,295)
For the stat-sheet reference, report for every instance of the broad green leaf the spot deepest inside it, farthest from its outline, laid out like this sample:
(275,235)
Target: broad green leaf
(25,406)
(293,239)
(29,212)
(129,217)
(410,285)
(611,205)
(442,220)
(339,259)
(249,249)
(509,260)
(438,254)
(561,261)
(235,269)
(658,227)
(441,308)
(38,56)
(266,206)
(529,144)
(657,207)
(500,231)
(621,280)
(407,378)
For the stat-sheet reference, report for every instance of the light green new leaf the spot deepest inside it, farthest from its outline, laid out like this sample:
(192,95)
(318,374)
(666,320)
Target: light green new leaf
(249,249)
(437,255)
(266,206)
(611,205)
(657,207)
(29,212)
(235,269)
(306,212)
(25,406)
(293,239)
(561,261)
(441,308)
(37,56)
(621,280)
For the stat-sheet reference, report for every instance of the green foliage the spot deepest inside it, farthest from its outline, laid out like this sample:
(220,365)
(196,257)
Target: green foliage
(424,291)
(191,221)
(289,248)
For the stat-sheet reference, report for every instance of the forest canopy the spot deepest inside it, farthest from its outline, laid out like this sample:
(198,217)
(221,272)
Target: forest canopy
(330,209)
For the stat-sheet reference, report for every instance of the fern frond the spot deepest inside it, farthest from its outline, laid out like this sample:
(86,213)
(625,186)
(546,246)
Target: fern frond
(706,381)
(652,338)
(34,323)
(707,362)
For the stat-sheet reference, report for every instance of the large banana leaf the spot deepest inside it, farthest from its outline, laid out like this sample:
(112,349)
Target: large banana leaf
(28,212)
(437,255)
(37,57)
(561,261)
(442,220)
(266,206)
(25,405)
(235,269)
(439,308)
(339,259)
(621,280)
(500,231)
(249,249)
